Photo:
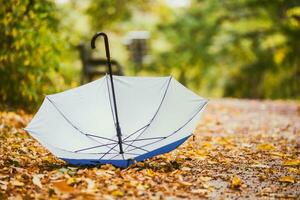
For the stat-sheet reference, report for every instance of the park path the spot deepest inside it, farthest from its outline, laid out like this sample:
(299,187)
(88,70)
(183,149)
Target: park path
(241,149)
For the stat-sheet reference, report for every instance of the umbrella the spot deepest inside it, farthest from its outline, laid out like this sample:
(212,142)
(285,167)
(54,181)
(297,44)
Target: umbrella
(116,119)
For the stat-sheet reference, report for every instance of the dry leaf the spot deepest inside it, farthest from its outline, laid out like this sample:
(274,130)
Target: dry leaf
(229,147)
(62,186)
(3,185)
(294,170)
(17,183)
(90,185)
(71,180)
(37,180)
(186,183)
(117,193)
(150,173)
(295,162)
(287,179)
(186,169)
(199,191)
(265,147)
(235,182)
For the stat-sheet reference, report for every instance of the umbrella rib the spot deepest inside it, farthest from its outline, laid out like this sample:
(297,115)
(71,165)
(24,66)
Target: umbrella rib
(201,107)
(116,156)
(91,135)
(75,127)
(69,150)
(162,100)
(135,146)
(154,138)
(99,153)
(88,148)
(135,132)
(135,154)
(108,151)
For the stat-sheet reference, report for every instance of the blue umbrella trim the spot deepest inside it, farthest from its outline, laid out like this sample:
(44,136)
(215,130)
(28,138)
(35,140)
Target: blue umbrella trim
(126,163)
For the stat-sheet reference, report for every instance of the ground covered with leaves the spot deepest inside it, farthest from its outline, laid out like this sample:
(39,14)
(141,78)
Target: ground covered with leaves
(241,149)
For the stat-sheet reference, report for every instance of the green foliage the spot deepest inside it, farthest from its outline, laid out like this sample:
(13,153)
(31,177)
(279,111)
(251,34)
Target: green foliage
(246,48)
(28,51)
(106,13)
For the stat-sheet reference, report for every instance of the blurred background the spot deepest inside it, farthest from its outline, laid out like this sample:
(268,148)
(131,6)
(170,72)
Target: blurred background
(230,48)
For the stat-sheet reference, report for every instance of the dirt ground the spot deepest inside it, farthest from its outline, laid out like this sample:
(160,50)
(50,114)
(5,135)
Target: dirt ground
(242,149)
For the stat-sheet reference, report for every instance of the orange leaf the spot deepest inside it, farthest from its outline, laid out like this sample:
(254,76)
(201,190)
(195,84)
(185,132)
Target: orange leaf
(62,186)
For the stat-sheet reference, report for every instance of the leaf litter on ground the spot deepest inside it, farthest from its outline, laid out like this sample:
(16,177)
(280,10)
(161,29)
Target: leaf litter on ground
(240,149)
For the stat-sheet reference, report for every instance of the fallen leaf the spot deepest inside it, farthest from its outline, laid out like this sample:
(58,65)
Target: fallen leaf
(186,169)
(112,187)
(278,154)
(37,180)
(186,183)
(17,183)
(294,170)
(235,182)
(295,162)
(62,186)
(199,191)
(90,185)
(117,193)
(265,147)
(150,173)
(287,179)
(72,181)
(3,185)
(260,166)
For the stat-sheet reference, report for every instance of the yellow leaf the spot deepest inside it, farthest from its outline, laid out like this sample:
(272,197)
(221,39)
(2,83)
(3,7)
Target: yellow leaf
(287,179)
(236,182)
(295,162)
(294,170)
(62,186)
(206,145)
(279,55)
(71,181)
(117,193)
(265,147)
(26,62)
(150,173)
(278,154)
(14,32)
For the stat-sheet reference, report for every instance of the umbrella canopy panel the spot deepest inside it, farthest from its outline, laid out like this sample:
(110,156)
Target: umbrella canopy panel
(156,114)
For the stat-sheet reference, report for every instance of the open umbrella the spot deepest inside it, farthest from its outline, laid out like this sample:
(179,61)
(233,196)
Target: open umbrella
(116,119)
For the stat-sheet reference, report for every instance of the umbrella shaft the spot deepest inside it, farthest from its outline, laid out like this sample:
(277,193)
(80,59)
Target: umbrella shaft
(119,138)
(118,129)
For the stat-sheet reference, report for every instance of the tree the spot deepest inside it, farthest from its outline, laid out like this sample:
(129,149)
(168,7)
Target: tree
(28,50)
(243,48)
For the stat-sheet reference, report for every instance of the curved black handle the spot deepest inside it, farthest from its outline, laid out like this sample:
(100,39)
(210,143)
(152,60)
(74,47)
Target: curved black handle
(118,129)
(93,42)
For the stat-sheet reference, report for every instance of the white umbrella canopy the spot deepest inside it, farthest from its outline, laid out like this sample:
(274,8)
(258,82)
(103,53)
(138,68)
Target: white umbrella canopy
(154,115)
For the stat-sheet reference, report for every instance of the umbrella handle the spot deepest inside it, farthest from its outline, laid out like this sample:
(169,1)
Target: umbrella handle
(118,129)
(93,43)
